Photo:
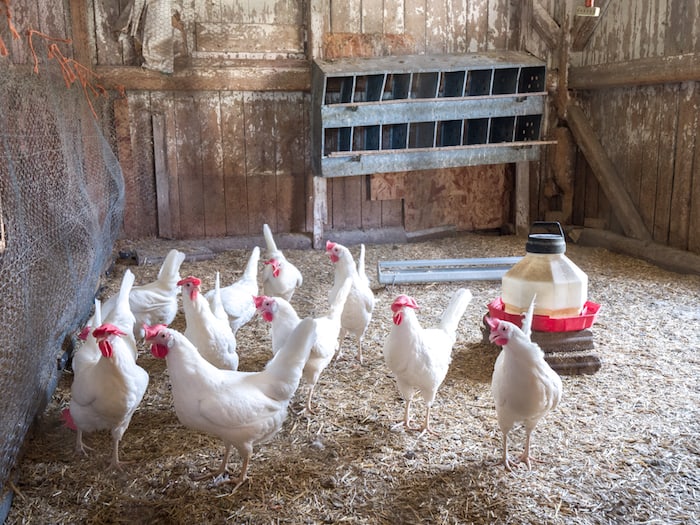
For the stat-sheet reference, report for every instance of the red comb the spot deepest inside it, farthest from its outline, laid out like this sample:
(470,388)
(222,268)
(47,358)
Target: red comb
(190,279)
(329,245)
(259,300)
(152,331)
(105,330)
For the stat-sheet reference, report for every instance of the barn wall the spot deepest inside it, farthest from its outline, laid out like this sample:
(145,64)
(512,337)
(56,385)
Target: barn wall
(222,146)
(649,132)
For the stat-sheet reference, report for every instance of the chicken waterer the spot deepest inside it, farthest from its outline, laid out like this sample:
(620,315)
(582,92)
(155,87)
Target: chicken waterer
(563,315)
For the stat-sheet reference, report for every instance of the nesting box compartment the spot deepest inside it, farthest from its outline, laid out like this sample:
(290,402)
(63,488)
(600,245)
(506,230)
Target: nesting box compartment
(399,113)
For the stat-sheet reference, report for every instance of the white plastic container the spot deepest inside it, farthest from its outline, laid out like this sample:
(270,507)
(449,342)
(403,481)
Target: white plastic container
(560,285)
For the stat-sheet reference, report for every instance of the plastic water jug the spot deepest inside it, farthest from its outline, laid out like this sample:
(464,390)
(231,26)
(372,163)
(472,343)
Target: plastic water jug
(560,285)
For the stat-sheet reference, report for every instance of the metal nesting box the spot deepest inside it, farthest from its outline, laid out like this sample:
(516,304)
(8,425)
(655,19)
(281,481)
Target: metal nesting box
(399,113)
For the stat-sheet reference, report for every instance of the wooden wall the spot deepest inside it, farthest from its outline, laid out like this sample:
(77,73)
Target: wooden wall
(234,150)
(221,145)
(649,131)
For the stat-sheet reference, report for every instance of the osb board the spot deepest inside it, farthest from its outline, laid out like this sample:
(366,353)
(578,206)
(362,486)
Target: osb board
(470,198)
(620,448)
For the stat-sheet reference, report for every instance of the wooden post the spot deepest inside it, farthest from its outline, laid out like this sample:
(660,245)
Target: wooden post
(522,198)
(319,186)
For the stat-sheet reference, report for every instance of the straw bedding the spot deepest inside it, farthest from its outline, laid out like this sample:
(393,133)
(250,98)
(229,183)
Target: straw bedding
(622,447)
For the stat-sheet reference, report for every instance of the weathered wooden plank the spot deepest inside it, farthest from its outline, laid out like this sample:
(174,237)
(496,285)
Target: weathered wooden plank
(650,151)
(249,38)
(289,109)
(160,158)
(545,25)
(346,16)
(393,17)
(262,134)
(244,75)
(262,200)
(415,21)
(694,223)
(79,32)
(477,26)
(665,159)
(233,137)
(290,159)
(584,26)
(211,163)
(437,32)
(606,174)
(687,129)
(189,178)
(644,71)
(371,209)
(346,212)
(122,131)
(498,24)
(372,16)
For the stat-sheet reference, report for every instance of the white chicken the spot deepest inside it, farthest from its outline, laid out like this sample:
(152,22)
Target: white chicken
(284,319)
(237,298)
(359,305)
(211,335)
(106,389)
(524,386)
(241,408)
(420,357)
(118,311)
(280,278)
(155,302)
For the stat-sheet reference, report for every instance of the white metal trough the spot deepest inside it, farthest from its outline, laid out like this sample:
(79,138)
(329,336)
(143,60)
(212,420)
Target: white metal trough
(441,270)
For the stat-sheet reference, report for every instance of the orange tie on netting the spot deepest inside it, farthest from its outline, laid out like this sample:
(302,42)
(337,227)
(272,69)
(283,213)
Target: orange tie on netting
(5,4)
(71,69)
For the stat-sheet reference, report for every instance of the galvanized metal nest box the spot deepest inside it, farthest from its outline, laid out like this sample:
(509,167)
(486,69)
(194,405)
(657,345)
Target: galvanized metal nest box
(413,112)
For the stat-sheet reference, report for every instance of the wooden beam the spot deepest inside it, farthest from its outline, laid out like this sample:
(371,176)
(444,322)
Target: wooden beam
(522,198)
(672,259)
(79,28)
(253,75)
(584,26)
(545,25)
(640,72)
(607,175)
(317,14)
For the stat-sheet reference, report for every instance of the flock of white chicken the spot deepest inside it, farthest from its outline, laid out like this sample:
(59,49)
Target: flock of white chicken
(245,408)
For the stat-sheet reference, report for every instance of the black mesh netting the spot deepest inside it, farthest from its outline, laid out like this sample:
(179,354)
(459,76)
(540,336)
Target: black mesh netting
(61,207)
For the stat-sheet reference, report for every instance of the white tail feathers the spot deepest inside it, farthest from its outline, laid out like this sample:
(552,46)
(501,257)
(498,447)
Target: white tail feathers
(217,305)
(251,269)
(269,239)
(97,316)
(170,269)
(527,318)
(455,310)
(361,264)
(287,364)
(125,289)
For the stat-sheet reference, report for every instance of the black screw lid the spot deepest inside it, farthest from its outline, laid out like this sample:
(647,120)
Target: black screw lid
(550,240)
